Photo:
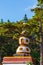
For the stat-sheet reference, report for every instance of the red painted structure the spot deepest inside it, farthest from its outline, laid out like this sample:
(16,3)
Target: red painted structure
(18,59)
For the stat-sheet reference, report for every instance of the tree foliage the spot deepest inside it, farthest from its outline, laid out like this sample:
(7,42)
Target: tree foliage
(10,33)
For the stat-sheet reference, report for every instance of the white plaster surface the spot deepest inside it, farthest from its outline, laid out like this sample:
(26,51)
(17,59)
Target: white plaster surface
(13,64)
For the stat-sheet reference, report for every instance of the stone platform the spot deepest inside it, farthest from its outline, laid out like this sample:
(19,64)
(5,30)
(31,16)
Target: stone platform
(17,60)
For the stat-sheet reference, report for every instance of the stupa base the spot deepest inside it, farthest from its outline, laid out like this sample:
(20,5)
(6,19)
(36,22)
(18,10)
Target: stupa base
(22,54)
(15,60)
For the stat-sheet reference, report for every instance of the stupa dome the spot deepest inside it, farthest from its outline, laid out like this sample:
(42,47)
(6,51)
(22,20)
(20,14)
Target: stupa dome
(23,40)
(23,49)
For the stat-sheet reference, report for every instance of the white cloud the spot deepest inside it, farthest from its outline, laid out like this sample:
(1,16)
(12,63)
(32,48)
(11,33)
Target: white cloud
(30,7)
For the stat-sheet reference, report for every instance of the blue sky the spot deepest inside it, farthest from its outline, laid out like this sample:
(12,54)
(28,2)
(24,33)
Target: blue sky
(14,10)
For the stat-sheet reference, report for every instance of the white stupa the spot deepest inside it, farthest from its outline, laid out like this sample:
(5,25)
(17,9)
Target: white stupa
(23,48)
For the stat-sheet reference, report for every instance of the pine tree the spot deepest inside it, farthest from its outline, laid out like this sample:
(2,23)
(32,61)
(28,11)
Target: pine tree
(39,17)
(25,18)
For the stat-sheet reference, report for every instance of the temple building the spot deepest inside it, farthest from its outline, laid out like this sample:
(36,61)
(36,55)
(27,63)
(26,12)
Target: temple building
(22,56)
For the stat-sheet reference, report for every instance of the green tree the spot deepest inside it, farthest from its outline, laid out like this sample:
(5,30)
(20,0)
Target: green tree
(25,18)
(39,17)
